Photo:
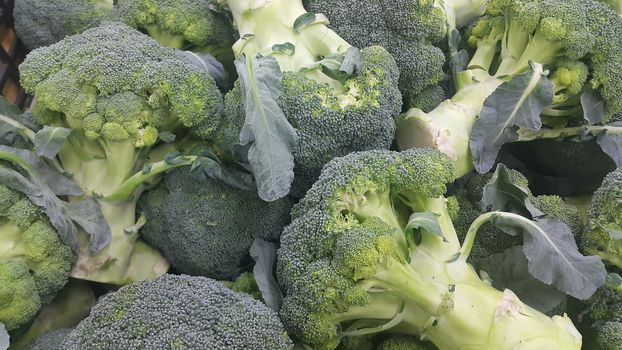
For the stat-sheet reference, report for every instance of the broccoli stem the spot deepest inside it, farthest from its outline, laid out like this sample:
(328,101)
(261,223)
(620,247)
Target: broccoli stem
(546,133)
(448,127)
(463,12)
(175,41)
(105,5)
(539,50)
(10,241)
(313,42)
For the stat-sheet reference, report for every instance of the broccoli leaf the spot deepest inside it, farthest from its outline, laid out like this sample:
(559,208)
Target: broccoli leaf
(611,142)
(4,337)
(426,221)
(516,103)
(509,270)
(212,66)
(208,165)
(593,106)
(266,129)
(9,125)
(500,193)
(265,253)
(62,215)
(553,255)
(49,140)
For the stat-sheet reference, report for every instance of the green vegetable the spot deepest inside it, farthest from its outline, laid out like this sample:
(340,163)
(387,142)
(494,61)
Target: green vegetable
(179,312)
(348,266)
(120,92)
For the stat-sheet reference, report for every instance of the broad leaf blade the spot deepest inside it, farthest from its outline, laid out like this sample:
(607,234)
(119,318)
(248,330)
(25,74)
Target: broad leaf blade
(209,166)
(500,193)
(593,106)
(517,103)
(272,139)
(509,270)
(88,215)
(611,142)
(426,221)
(49,140)
(212,66)
(553,255)
(265,253)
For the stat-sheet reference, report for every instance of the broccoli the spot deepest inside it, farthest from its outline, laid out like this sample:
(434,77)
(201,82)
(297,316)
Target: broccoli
(119,92)
(44,22)
(245,283)
(602,234)
(34,262)
(616,5)
(52,340)
(604,312)
(207,227)
(179,312)
(349,265)
(183,24)
(576,42)
(401,342)
(332,112)
(412,31)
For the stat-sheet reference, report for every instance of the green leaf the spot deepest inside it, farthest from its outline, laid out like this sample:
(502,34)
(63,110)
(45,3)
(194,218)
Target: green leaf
(553,255)
(593,106)
(500,193)
(166,136)
(4,337)
(517,103)
(271,137)
(614,281)
(49,140)
(212,66)
(286,49)
(611,142)
(10,126)
(265,254)
(508,270)
(208,165)
(37,183)
(308,19)
(427,221)
(352,61)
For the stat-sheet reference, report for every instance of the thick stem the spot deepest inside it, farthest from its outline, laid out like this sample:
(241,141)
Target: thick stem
(10,241)
(104,5)
(539,50)
(175,41)
(463,12)
(311,43)
(448,127)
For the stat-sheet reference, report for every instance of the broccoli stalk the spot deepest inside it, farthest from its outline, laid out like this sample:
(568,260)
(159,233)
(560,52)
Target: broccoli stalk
(118,107)
(573,42)
(360,259)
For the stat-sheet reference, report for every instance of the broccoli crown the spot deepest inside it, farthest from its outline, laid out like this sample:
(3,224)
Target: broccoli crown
(329,245)
(327,126)
(34,262)
(555,207)
(186,24)
(566,37)
(245,283)
(179,312)
(206,227)
(115,83)
(605,220)
(406,28)
(52,340)
(605,313)
(400,342)
(44,22)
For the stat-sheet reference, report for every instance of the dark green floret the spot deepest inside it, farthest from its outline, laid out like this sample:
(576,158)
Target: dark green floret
(206,227)
(52,340)
(179,312)
(605,314)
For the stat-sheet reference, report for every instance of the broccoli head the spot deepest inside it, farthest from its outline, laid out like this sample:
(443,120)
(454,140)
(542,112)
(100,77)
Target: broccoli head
(602,234)
(350,264)
(412,31)
(52,340)
(185,25)
(207,227)
(119,92)
(574,44)
(333,114)
(34,262)
(179,312)
(604,312)
(43,22)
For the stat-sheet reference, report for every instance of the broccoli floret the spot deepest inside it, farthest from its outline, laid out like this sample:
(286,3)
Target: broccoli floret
(332,116)
(179,312)
(52,340)
(602,234)
(34,262)
(605,315)
(348,265)
(245,283)
(412,31)
(119,91)
(575,41)
(616,5)
(207,227)
(44,22)
(401,342)
(183,24)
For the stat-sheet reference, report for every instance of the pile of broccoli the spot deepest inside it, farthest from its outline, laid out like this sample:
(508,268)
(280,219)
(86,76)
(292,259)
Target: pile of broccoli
(313,174)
